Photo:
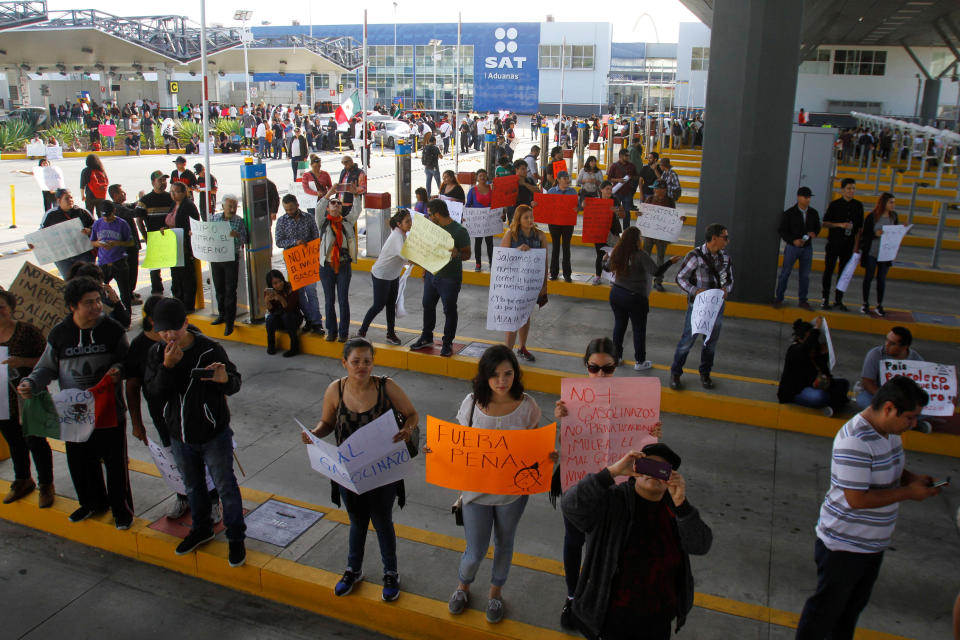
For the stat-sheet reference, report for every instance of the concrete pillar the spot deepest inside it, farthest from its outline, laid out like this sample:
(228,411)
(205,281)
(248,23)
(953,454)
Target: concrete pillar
(752,81)
(930,101)
(168,101)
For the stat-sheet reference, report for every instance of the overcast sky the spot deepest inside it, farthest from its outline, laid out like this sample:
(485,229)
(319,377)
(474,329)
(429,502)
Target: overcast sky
(628,26)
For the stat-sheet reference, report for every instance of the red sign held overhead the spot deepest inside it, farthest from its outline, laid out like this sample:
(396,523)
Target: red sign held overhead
(505,189)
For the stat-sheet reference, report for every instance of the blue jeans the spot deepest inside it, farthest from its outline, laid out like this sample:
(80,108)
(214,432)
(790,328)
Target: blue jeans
(871,266)
(384,295)
(432,173)
(336,288)
(217,456)
(375,505)
(686,343)
(262,147)
(844,583)
(863,400)
(310,305)
(835,397)
(447,290)
(632,307)
(478,520)
(790,255)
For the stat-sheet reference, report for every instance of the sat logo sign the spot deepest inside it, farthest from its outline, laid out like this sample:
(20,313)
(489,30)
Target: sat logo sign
(506,76)
(506,43)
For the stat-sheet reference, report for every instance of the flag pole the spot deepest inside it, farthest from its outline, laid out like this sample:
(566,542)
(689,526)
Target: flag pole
(205,106)
(363,99)
(456,108)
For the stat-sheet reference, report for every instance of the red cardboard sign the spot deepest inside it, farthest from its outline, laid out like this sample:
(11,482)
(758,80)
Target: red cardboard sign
(505,190)
(597,218)
(555,208)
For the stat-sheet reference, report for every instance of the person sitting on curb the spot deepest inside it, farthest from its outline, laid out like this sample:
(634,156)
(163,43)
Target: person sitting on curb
(806,379)
(640,535)
(283,312)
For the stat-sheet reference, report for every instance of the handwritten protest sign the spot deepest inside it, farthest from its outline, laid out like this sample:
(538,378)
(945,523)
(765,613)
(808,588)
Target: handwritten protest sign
(108,130)
(660,223)
(54,153)
(555,208)
(558,166)
(48,178)
(516,278)
(505,190)
(606,419)
(847,274)
(706,308)
(482,222)
(938,380)
(500,461)
(890,241)
(167,466)
(454,208)
(303,263)
(366,460)
(39,298)
(211,241)
(77,412)
(428,245)
(831,354)
(36,150)
(164,249)
(597,218)
(59,242)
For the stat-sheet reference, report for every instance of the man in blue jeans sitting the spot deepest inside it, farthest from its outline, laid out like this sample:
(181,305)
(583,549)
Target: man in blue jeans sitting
(445,283)
(191,376)
(799,225)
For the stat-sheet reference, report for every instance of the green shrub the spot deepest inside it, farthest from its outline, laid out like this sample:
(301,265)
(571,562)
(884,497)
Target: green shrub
(14,134)
(67,133)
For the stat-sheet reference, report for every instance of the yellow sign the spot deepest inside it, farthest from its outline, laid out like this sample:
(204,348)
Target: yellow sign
(173,86)
(428,245)
(163,249)
(339,88)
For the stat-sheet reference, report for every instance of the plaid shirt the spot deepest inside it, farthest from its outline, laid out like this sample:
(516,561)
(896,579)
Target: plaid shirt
(236,224)
(672,181)
(695,273)
(292,231)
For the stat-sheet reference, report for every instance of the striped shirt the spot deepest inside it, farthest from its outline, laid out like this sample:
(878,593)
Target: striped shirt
(862,459)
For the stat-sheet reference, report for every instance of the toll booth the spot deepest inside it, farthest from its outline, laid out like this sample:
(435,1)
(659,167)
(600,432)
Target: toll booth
(401,180)
(377,213)
(259,250)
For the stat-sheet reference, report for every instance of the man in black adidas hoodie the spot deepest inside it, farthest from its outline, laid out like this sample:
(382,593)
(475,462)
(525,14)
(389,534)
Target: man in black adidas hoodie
(191,376)
(86,347)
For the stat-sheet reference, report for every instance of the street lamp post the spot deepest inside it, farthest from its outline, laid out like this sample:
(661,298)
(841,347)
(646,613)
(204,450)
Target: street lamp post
(435,44)
(245,36)
(396,87)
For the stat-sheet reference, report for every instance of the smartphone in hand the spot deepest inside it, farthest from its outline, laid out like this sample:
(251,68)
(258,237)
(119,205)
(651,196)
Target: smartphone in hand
(201,374)
(653,468)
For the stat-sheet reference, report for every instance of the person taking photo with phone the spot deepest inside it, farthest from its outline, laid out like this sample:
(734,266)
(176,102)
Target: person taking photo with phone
(636,580)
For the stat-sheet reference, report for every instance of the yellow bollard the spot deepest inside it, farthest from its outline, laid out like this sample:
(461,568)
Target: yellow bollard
(340,142)
(415,138)
(13,207)
(381,145)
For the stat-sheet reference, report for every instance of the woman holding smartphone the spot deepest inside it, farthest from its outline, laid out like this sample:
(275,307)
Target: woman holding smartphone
(283,312)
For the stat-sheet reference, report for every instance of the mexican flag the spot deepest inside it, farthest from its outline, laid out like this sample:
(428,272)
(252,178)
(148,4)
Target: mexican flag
(397,109)
(348,109)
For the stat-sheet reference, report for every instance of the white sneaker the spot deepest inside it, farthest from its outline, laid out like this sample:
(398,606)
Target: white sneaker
(642,366)
(827,411)
(178,508)
(216,513)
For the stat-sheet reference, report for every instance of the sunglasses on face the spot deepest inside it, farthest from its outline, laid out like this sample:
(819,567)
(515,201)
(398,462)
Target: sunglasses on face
(608,369)
(336,202)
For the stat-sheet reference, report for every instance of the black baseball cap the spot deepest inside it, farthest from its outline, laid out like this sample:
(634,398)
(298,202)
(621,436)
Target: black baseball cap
(179,160)
(657,449)
(168,315)
(804,191)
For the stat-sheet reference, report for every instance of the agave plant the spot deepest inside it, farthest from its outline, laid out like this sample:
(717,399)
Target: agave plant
(69,132)
(186,129)
(228,126)
(14,134)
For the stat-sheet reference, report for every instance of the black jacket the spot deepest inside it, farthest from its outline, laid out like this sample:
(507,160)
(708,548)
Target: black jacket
(841,210)
(195,411)
(800,371)
(867,237)
(604,512)
(794,225)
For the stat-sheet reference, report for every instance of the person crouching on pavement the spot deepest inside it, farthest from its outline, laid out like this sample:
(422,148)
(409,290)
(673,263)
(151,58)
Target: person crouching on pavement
(636,578)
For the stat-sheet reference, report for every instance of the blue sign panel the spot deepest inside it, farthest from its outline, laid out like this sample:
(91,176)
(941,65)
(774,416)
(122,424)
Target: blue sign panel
(298,78)
(505,72)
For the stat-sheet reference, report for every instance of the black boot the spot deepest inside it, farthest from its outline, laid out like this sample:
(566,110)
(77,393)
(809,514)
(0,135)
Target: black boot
(294,346)
(271,342)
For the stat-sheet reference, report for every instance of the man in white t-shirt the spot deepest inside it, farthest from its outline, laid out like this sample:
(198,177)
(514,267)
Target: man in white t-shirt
(868,480)
(445,132)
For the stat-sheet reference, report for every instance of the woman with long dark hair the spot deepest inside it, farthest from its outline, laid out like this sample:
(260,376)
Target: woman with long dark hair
(523,234)
(283,312)
(93,183)
(497,402)
(633,271)
(806,379)
(883,214)
(349,404)
(479,196)
(588,180)
(450,188)
(385,274)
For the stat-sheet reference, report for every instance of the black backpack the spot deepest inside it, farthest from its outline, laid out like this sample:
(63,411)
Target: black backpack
(430,154)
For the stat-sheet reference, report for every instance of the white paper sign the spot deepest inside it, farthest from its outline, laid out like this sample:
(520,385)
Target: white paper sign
(847,275)
(48,178)
(831,354)
(890,241)
(167,466)
(59,241)
(660,223)
(54,153)
(211,241)
(76,409)
(4,378)
(454,208)
(482,222)
(516,279)
(401,289)
(36,150)
(938,380)
(706,308)
(366,460)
